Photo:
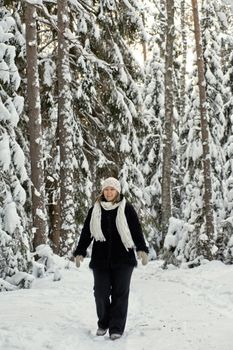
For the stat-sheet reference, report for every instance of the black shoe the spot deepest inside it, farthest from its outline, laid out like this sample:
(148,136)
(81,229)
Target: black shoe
(101,331)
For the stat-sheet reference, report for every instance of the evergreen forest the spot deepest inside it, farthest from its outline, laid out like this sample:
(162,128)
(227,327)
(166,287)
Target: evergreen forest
(138,90)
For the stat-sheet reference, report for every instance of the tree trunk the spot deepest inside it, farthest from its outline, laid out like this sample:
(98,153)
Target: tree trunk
(35,130)
(208,213)
(144,44)
(168,120)
(65,133)
(184,62)
(162,29)
(54,214)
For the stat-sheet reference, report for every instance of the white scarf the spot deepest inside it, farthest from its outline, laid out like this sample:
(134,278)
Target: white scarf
(121,222)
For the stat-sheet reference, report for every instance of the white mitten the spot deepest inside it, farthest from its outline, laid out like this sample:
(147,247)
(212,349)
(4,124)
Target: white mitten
(143,256)
(78,260)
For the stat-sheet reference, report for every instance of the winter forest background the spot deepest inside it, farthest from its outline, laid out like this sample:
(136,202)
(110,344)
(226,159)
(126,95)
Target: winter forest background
(96,88)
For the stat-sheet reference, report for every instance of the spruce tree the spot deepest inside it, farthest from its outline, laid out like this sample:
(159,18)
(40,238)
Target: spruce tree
(153,117)
(14,236)
(215,89)
(107,96)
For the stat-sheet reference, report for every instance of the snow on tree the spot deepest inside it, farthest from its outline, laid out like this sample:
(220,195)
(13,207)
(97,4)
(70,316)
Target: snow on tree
(107,95)
(215,101)
(193,182)
(224,240)
(190,239)
(65,123)
(157,104)
(14,239)
(47,66)
(193,231)
(116,118)
(216,20)
(153,116)
(39,217)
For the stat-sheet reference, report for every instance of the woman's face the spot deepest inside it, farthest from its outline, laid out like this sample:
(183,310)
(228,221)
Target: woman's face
(110,194)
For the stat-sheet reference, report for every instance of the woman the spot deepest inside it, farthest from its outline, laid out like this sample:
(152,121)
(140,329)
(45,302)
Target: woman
(115,228)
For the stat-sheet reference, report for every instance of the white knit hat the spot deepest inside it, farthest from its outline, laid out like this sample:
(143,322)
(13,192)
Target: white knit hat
(112,182)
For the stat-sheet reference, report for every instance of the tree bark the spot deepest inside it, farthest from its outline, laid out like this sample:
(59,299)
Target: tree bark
(184,62)
(208,211)
(35,130)
(168,121)
(65,133)
(162,30)
(144,44)
(54,214)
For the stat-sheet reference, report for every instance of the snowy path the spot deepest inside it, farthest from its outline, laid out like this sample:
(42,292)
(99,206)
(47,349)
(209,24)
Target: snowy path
(172,309)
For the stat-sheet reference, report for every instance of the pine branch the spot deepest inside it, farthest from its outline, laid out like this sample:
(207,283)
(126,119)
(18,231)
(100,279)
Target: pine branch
(81,4)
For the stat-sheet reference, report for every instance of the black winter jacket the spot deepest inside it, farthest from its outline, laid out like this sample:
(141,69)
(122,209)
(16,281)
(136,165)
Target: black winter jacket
(112,252)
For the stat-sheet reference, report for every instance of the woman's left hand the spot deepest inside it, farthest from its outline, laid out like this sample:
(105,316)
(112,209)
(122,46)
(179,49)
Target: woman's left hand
(143,256)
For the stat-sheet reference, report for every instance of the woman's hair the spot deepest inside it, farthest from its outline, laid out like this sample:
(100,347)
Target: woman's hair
(101,198)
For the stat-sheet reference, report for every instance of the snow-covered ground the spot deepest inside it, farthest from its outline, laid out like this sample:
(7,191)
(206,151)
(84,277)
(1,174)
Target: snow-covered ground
(183,309)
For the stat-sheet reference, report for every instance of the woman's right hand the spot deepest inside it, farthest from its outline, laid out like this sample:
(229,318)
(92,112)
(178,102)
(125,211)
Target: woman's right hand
(78,260)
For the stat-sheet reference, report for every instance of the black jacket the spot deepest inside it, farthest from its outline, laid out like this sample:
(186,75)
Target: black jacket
(112,252)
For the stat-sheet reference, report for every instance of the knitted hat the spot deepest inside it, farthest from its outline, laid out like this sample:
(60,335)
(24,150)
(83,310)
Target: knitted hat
(112,182)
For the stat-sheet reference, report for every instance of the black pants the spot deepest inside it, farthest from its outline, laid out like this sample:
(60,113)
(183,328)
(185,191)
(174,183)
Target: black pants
(111,291)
